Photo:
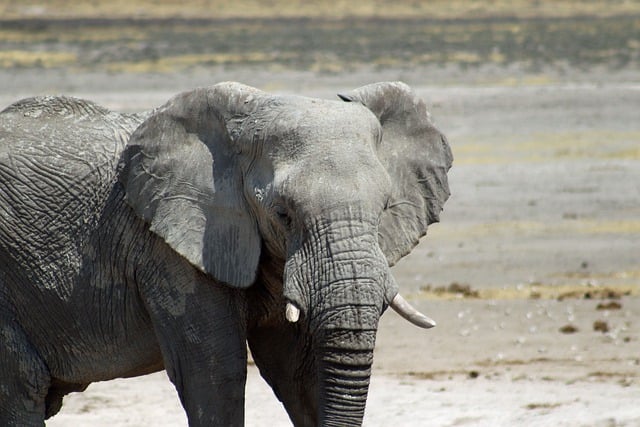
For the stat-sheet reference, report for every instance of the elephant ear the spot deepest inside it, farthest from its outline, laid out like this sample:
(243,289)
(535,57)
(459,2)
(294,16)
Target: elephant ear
(417,157)
(182,175)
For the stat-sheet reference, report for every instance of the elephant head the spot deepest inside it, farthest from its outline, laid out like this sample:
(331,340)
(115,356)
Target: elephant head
(306,203)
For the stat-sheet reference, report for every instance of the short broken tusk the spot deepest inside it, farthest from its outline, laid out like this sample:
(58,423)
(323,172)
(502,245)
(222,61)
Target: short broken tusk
(292,313)
(404,309)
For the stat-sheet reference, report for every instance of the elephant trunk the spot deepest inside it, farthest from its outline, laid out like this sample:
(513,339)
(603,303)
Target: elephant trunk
(344,368)
(339,281)
(344,339)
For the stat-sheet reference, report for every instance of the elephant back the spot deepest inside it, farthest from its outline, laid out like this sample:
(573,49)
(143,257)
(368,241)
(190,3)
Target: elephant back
(58,163)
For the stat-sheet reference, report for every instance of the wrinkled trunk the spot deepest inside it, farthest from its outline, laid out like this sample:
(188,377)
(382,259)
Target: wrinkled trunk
(345,358)
(338,279)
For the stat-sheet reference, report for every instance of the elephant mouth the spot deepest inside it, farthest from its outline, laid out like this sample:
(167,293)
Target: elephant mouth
(345,257)
(399,304)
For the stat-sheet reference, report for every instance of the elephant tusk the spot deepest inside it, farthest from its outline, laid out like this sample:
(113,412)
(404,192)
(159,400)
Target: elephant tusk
(404,309)
(292,313)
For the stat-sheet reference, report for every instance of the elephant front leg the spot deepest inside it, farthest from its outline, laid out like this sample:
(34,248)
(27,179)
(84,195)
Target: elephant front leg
(282,353)
(24,379)
(202,335)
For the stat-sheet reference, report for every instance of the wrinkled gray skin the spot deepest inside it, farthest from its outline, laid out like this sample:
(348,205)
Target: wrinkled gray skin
(174,249)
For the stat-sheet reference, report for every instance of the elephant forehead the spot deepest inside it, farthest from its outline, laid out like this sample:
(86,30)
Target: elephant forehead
(320,184)
(345,158)
(315,127)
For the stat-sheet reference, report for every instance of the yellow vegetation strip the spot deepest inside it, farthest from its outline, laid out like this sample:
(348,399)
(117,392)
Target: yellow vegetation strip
(434,9)
(22,58)
(563,228)
(534,291)
(544,147)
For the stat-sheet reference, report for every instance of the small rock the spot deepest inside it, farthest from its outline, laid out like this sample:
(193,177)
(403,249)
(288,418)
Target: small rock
(611,305)
(601,326)
(535,295)
(568,329)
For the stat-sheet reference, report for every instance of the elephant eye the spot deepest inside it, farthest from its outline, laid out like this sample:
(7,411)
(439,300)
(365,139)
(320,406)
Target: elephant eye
(385,208)
(283,215)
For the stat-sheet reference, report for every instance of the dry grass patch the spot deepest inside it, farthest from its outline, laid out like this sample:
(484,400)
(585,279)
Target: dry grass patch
(435,9)
(546,405)
(609,305)
(26,59)
(544,147)
(533,291)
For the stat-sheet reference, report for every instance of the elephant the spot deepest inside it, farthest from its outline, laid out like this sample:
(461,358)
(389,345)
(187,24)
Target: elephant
(227,220)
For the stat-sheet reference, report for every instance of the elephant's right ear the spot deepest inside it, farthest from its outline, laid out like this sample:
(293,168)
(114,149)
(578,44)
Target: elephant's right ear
(182,175)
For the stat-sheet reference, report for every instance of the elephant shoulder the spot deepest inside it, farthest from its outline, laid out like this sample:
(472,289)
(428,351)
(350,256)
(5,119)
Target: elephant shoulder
(59,159)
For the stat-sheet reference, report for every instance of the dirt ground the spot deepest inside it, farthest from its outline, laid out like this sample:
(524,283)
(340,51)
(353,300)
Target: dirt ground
(533,274)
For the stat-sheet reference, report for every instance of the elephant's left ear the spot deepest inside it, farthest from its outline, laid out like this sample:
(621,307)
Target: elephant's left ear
(417,157)
(183,175)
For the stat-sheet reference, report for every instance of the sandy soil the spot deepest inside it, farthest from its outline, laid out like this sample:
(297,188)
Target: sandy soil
(533,274)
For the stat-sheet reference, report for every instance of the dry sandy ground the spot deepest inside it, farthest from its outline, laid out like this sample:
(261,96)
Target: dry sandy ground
(526,275)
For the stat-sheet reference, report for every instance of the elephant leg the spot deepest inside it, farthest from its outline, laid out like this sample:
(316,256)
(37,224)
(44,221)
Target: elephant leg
(24,379)
(202,336)
(282,353)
